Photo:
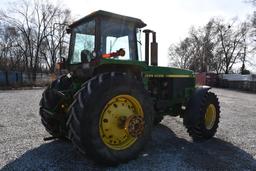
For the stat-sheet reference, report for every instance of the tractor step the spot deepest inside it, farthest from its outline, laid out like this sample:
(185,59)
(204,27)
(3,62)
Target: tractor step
(50,138)
(59,93)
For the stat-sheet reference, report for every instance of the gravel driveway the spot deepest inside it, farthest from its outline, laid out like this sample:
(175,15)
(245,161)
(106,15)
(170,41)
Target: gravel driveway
(233,148)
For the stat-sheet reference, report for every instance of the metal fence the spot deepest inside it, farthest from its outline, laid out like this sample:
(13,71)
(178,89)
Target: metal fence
(17,78)
(238,85)
(231,81)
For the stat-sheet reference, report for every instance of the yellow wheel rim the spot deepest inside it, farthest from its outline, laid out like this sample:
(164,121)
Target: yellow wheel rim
(210,117)
(113,120)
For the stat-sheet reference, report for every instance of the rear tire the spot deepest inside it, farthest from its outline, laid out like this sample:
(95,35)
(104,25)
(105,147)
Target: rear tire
(86,112)
(202,120)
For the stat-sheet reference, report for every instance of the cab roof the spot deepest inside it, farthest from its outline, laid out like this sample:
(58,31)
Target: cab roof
(100,13)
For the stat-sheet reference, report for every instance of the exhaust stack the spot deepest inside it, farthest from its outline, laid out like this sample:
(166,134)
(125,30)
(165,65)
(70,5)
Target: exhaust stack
(153,48)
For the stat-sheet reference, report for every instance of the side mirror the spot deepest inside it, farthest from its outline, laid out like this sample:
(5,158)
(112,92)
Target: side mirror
(68,30)
(61,64)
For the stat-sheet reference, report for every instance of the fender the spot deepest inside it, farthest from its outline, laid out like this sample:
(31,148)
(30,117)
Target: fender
(194,105)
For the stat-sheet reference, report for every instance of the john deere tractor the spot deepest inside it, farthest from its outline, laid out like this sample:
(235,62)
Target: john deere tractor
(111,97)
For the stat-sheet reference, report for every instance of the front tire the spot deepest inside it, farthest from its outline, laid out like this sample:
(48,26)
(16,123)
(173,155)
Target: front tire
(100,114)
(54,123)
(48,102)
(202,116)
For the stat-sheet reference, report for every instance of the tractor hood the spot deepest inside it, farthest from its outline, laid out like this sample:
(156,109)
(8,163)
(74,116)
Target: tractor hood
(156,71)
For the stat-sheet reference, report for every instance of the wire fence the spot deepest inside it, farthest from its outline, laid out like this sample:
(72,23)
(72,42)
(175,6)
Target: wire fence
(17,78)
(235,81)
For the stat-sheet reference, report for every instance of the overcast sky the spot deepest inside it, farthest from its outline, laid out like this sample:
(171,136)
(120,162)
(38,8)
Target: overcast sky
(171,19)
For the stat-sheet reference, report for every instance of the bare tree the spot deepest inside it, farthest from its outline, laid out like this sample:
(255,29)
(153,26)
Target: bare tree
(181,55)
(34,21)
(55,44)
(196,51)
(230,38)
(9,52)
(215,47)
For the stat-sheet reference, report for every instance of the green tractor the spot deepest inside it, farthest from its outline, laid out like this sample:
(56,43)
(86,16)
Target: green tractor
(110,97)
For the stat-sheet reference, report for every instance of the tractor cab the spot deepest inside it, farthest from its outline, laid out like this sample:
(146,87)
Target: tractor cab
(104,35)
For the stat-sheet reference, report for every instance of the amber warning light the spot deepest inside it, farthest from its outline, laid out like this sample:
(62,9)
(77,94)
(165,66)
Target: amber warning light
(120,52)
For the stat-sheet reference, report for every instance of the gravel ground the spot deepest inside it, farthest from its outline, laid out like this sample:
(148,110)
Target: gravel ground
(233,148)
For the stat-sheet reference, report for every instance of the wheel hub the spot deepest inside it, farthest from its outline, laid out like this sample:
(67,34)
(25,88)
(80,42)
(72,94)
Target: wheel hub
(134,125)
